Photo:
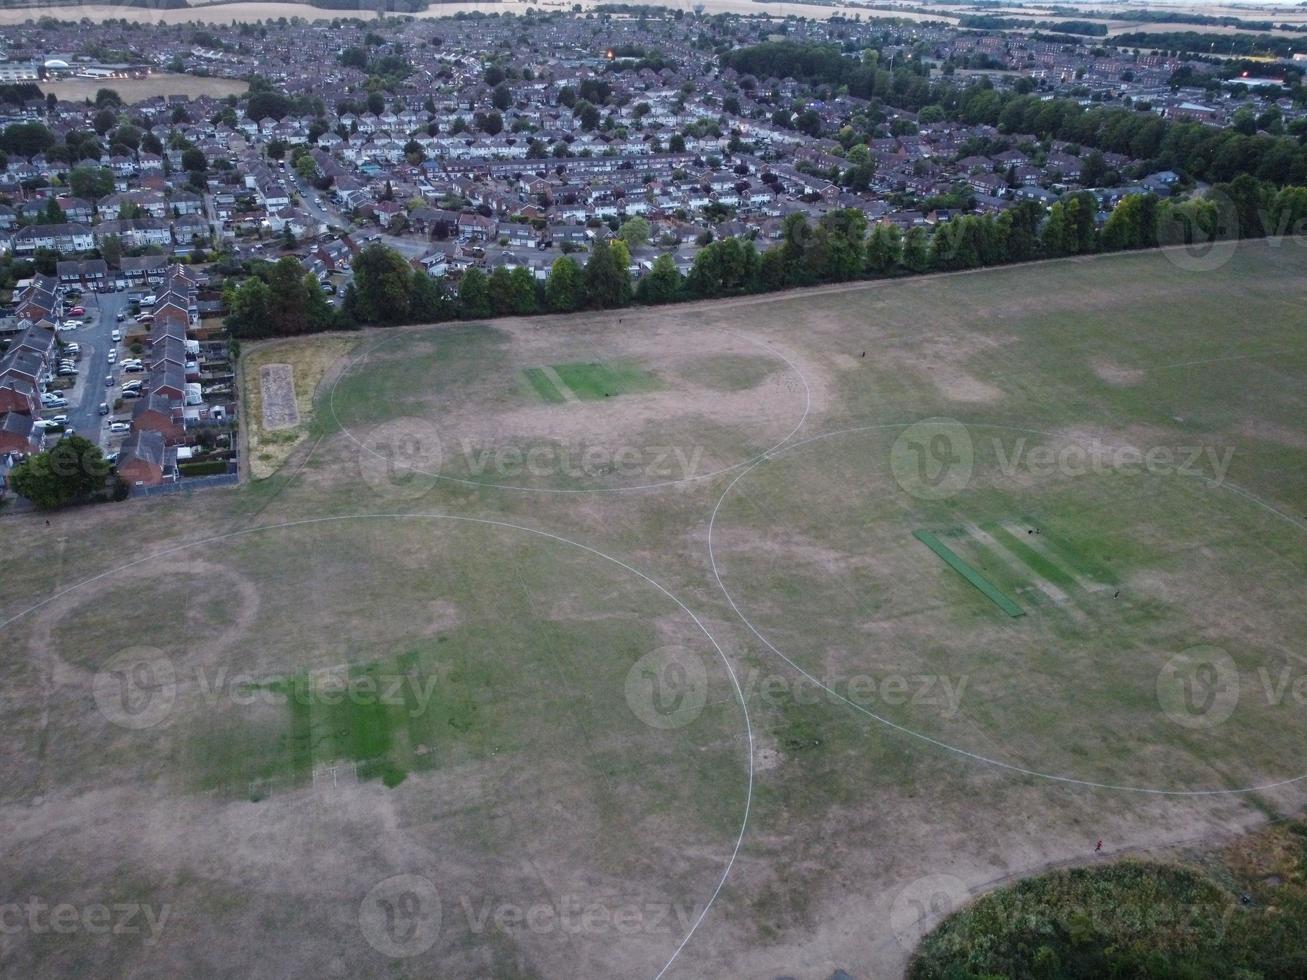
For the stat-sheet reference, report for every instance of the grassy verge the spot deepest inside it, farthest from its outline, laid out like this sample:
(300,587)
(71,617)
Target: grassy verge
(310,358)
(1241,913)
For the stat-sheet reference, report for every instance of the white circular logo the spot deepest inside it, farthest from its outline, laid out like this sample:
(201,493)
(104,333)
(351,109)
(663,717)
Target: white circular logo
(1199,688)
(933,459)
(401,459)
(924,904)
(136,688)
(667,688)
(1205,232)
(400,917)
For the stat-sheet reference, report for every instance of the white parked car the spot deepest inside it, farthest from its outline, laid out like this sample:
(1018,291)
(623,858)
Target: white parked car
(120,426)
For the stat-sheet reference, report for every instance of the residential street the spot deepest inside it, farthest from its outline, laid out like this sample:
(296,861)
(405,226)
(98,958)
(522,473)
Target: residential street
(95,339)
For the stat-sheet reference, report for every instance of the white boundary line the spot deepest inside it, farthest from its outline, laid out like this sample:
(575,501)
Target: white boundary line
(739,692)
(922,736)
(807,407)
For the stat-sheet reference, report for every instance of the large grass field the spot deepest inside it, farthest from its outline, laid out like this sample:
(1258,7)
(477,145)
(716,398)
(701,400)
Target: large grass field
(543,614)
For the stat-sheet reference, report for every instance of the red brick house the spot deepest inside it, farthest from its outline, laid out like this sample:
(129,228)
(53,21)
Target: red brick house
(144,460)
(156,413)
(18,434)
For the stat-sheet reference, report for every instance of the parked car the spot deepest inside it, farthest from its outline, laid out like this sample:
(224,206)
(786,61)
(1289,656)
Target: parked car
(104,408)
(120,426)
(108,380)
(77,311)
(67,325)
(132,393)
(66,372)
(45,424)
(59,420)
(117,335)
(113,356)
(121,316)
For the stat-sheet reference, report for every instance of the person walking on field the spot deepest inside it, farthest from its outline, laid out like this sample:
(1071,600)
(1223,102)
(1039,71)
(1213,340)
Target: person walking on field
(1098,848)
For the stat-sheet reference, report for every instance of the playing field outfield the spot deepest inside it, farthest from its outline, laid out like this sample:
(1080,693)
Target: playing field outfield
(703,623)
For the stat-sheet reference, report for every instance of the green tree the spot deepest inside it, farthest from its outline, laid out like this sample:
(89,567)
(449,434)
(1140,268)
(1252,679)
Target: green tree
(501,291)
(474,294)
(90,182)
(248,308)
(916,255)
(72,470)
(379,293)
(525,298)
(565,288)
(26,139)
(428,301)
(884,249)
(607,284)
(111,250)
(662,284)
(634,231)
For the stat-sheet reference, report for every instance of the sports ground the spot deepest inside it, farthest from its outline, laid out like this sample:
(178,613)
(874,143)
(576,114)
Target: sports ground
(733,639)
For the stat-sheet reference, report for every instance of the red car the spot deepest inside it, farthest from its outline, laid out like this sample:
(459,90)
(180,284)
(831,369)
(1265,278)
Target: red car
(77,311)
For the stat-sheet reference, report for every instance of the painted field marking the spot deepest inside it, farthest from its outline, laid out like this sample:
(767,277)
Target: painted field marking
(1035,543)
(568,394)
(542,386)
(954,562)
(1014,561)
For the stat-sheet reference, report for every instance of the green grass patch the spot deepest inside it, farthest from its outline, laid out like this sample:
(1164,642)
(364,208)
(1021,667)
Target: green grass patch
(1030,557)
(542,386)
(1076,558)
(990,591)
(593,381)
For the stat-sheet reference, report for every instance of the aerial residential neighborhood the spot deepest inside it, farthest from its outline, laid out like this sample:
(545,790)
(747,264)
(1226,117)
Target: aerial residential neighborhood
(769,489)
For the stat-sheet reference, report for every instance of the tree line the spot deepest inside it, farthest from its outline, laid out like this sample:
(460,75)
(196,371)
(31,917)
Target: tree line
(281,299)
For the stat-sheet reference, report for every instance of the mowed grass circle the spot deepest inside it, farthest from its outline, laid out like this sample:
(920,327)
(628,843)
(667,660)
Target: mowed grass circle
(1132,591)
(453,695)
(585,410)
